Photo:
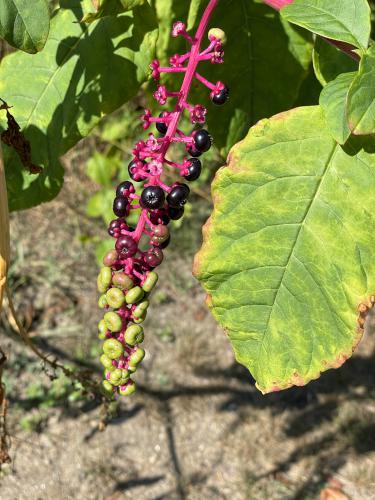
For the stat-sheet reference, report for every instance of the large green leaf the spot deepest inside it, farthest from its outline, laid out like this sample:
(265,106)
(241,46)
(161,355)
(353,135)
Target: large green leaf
(82,74)
(24,24)
(344,20)
(265,63)
(330,62)
(361,98)
(288,252)
(333,100)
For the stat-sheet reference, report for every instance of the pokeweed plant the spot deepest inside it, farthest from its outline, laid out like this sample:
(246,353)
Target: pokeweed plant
(287,253)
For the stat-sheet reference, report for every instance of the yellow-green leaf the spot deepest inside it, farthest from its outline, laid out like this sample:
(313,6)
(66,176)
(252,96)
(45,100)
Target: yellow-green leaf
(287,257)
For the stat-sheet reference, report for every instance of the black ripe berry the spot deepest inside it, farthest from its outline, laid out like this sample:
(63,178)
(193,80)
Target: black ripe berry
(194,152)
(220,97)
(178,195)
(202,140)
(159,216)
(152,197)
(195,169)
(120,206)
(175,213)
(162,127)
(124,188)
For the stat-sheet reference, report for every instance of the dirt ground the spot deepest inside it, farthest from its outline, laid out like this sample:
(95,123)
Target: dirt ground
(197,428)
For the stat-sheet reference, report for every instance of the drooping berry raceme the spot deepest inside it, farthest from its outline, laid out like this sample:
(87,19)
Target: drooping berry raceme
(128,276)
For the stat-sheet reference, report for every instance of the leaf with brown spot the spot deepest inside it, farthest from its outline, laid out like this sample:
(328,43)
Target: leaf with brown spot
(14,138)
(287,257)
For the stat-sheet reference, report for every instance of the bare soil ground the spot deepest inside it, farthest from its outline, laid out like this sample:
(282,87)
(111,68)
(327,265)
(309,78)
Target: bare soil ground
(197,428)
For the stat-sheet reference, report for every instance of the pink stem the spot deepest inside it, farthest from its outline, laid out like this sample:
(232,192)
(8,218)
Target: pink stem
(204,80)
(179,108)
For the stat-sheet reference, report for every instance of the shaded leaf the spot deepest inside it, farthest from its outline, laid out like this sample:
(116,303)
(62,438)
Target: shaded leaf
(288,252)
(333,100)
(344,20)
(82,74)
(110,8)
(361,98)
(24,24)
(330,62)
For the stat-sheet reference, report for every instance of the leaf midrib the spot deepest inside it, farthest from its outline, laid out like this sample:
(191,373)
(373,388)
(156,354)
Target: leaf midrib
(316,193)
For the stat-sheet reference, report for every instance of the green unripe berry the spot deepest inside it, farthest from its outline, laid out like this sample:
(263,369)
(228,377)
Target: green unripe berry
(113,348)
(105,278)
(107,362)
(150,282)
(102,302)
(110,258)
(115,377)
(141,309)
(101,287)
(139,320)
(136,357)
(129,389)
(115,298)
(113,321)
(134,335)
(122,281)
(107,388)
(219,34)
(102,327)
(134,295)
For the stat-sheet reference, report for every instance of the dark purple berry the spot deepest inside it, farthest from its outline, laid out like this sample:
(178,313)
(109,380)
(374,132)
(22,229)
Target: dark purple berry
(159,216)
(126,246)
(165,243)
(194,152)
(152,197)
(195,169)
(124,189)
(202,140)
(161,126)
(175,213)
(154,257)
(178,195)
(220,97)
(120,206)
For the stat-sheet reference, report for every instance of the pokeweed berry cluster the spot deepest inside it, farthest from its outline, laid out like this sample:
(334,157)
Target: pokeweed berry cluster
(128,275)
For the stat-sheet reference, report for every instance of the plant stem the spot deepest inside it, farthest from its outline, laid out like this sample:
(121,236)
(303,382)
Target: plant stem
(179,108)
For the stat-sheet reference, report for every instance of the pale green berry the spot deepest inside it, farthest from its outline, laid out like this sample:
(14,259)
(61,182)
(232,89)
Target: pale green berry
(150,281)
(101,287)
(122,281)
(134,335)
(115,298)
(129,389)
(219,34)
(113,321)
(136,357)
(107,388)
(105,277)
(115,377)
(141,309)
(113,348)
(107,362)
(102,302)
(134,295)
(102,327)
(125,374)
(139,320)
